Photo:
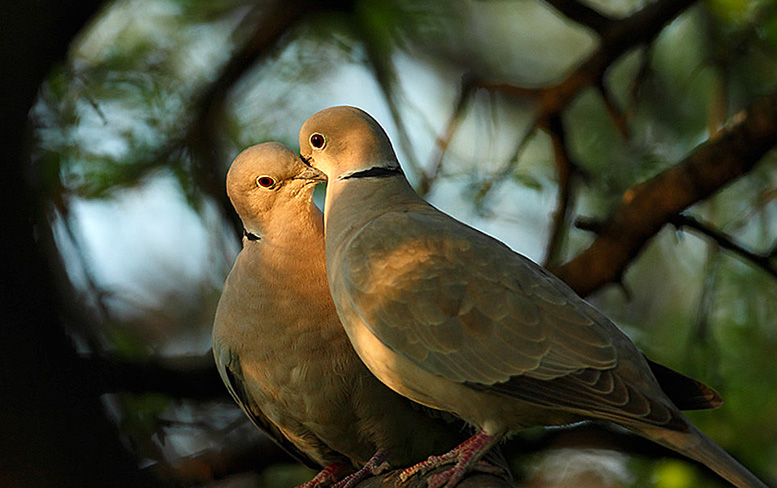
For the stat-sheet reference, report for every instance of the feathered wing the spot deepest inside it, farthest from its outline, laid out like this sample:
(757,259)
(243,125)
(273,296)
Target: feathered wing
(464,306)
(228,363)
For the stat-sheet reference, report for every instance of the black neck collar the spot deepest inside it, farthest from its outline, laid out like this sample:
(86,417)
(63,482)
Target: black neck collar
(250,236)
(374,172)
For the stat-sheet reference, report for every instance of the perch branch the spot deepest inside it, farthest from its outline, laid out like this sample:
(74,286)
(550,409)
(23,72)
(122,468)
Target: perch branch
(648,206)
(472,480)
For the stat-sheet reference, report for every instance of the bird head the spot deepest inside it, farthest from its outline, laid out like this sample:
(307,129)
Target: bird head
(267,181)
(344,141)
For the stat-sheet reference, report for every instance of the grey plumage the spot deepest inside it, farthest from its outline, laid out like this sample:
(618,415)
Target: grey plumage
(279,345)
(455,320)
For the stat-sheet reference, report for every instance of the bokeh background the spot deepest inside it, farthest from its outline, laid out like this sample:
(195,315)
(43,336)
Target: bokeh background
(534,121)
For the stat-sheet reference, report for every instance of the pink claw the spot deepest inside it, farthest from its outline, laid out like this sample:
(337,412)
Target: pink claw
(330,474)
(466,456)
(376,465)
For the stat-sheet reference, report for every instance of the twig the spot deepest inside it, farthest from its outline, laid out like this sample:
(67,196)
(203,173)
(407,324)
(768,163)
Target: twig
(617,116)
(565,169)
(702,347)
(645,69)
(429,177)
(725,241)
(275,19)
(499,176)
(648,206)
(383,69)
(619,37)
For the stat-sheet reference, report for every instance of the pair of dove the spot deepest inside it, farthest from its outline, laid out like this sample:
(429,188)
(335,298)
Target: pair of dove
(439,312)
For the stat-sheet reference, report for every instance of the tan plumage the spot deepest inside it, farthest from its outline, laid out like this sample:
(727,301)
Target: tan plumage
(279,345)
(455,320)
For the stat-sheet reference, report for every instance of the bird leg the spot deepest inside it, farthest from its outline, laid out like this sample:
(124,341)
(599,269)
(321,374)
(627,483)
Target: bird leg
(330,474)
(466,456)
(376,465)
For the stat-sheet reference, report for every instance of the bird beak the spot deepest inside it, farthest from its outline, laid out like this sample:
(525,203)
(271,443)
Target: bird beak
(310,173)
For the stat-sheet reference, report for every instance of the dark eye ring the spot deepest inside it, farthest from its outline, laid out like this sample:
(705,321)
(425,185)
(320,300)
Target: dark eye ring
(265,181)
(317,140)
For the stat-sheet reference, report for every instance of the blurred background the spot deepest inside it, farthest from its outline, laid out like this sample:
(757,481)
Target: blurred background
(534,121)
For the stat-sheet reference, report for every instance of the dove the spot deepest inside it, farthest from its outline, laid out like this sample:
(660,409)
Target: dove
(455,320)
(279,345)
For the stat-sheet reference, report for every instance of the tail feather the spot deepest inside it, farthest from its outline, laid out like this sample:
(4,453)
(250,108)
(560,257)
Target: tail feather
(697,446)
(686,393)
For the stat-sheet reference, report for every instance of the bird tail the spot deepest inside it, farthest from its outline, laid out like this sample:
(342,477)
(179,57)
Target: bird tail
(697,446)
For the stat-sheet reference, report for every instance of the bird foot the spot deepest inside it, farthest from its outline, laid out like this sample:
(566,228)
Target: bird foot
(330,474)
(376,465)
(466,457)
(451,477)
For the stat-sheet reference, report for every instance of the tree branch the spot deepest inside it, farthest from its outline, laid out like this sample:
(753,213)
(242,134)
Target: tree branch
(52,433)
(212,465)
(616,39)
(648,206)
(186,376)
(616,115)
(472,480)
(725,241)
(274,19)
(429,177)
(565,169)
(584,15)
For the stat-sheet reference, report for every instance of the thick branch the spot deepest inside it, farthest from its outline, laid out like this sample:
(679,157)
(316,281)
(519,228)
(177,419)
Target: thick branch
(52,433)
(188,376)
(648,206)
(473,480)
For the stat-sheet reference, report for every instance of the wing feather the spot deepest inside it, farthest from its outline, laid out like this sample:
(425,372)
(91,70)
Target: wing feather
(232,371)
(464,306)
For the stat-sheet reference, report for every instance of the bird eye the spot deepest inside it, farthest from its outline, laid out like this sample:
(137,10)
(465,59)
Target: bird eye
(317,140)
(265,181)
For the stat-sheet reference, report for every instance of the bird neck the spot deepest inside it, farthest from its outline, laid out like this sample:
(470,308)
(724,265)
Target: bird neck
(284,225)
(352,203)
